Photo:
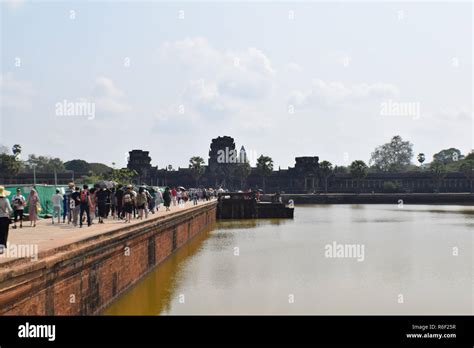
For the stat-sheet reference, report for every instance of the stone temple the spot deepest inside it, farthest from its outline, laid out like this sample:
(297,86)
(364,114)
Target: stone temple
(222,169)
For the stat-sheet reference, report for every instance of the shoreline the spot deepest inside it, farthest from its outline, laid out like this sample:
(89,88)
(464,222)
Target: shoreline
(379,198)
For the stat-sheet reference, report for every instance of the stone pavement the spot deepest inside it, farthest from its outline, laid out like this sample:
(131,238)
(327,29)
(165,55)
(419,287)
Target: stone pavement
(46,236)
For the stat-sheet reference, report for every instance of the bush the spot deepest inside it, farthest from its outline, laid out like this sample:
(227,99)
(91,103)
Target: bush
(391,186)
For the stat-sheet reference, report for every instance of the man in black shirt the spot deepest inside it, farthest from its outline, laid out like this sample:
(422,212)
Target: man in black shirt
(119,198)
(102,196)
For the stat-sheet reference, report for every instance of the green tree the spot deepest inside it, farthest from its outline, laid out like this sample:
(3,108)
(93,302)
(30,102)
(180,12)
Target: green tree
(467,168)
(341,170)
(9,165)
(326,170)
(438,172)
(470,156)
(393,156)
(122,176)
(448,156)
(264,168)
(242,171)
(196,164)
(359,171)
(99,168)
(45,164)
(77,165)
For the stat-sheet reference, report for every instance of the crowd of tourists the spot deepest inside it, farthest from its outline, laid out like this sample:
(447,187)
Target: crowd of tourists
(79,205)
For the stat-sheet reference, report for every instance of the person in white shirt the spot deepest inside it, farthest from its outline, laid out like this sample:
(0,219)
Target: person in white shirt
(158,199)
(18,204)
(57,200)
(5,211)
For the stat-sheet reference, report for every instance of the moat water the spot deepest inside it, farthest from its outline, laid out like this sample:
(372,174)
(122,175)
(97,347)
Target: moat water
(386,259)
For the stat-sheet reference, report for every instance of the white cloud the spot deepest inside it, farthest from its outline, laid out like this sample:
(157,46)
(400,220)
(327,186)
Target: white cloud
(108,97)
(220,83)
(330,93)
(294,67)
(16,94)
(246,74)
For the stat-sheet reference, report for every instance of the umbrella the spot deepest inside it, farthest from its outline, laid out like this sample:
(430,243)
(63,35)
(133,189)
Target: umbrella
(104,184)
(181,188)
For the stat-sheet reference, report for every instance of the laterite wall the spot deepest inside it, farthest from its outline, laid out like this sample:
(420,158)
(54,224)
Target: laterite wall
(87,276)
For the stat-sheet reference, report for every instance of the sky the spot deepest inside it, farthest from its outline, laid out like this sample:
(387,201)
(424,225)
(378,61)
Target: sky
(333,80)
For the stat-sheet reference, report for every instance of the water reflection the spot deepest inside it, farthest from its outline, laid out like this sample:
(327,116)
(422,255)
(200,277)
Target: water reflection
(252,266)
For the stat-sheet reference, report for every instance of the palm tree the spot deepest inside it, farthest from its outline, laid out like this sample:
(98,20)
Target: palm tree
(196,164)
(467,168)
(421,158)
(242,171)
(359,171)
(264,168)
(326,170)
(16,149)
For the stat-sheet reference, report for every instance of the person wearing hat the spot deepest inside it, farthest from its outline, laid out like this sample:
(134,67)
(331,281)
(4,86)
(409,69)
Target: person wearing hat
(34,207)
(5,211)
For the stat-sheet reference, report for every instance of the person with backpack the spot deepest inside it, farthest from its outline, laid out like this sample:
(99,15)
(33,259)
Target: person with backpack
(141,200)
(85,205)
(127,204)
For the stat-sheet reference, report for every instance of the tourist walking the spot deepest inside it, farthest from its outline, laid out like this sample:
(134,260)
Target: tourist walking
(142,203)
(167,198)
(18,204)
(158,198)
(33,207)
(85,205)
(113,202)
(127,204)
(173,196)
(67,211)
(57,200)
(75,205)
(93,204)
(5,211)
(119,199)
(150,201)
(101,198)
(179,197)
(133,194)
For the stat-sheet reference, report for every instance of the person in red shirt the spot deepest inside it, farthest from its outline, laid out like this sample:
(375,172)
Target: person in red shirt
(174,193)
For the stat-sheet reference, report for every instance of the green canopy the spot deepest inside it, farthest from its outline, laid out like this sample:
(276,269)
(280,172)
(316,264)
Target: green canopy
(45,192)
